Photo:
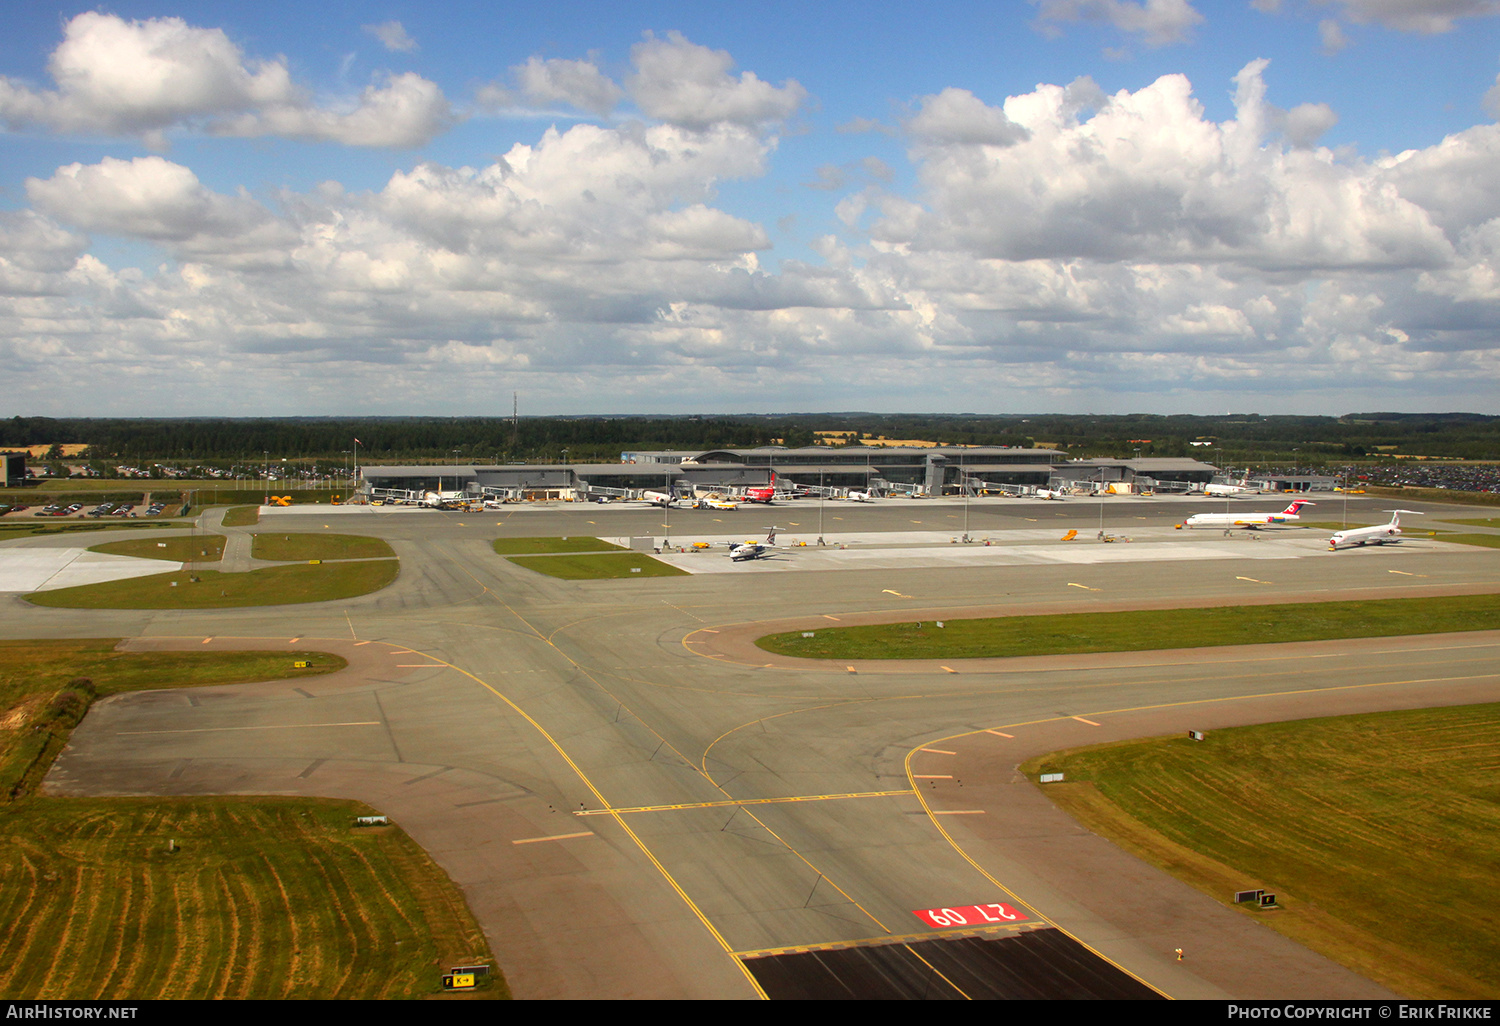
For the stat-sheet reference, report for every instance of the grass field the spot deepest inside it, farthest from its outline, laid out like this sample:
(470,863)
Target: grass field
(1480,522)
(277,585)
(19,528)
(200,548)
(1143,630)
(598,566)
(261,898)
(319,546)
(1379,834)
(1488,541)
(242,516)
(537,546)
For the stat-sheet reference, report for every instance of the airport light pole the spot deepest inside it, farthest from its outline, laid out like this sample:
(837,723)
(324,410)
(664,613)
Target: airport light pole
(267,454)
(963,480)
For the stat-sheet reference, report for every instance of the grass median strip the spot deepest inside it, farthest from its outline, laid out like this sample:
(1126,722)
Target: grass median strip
(1142,630)
(319,546)
(538,546)
(1377,833)
(242,516)
(211,589)
(197,548)
(598,566)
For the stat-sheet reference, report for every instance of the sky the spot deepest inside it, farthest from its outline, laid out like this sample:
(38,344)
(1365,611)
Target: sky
(1069,206)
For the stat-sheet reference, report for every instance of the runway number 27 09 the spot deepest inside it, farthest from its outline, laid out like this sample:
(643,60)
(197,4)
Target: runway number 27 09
(971,915)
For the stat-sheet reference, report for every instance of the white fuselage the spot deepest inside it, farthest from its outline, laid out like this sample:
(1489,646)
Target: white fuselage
(1377,535)
(1380,534)
(1247,520)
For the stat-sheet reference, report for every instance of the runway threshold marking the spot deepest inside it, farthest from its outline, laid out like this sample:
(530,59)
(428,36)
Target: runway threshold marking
(865,942)
(932,817)
(743,801)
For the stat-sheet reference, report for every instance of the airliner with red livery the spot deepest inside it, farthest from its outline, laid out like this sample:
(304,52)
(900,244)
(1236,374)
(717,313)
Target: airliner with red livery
(764,494)
(1250,521)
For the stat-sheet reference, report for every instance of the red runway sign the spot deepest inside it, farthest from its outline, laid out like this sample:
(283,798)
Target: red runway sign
(972,915)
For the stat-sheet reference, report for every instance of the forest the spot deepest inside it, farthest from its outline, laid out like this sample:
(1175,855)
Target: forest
(1228,439)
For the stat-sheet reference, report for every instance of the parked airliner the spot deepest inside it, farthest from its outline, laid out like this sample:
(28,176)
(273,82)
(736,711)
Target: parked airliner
(1377,535)
(1250,521)
(753,550)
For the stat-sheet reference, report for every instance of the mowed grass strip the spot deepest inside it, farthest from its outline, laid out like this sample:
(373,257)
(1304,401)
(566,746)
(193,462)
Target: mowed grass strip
(1378,833)
(319,546)
(598,567)
(43,666)
(1482,522)
(263,898)
(272,586)
(15,527)
(536,546)
(242,516)
(1488,541)
(200,548)
(1143,630)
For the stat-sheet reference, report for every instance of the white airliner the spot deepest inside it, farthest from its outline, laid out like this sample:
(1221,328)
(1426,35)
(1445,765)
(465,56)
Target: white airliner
(1048,493)
(861,497)
(658,498)
(753,550)
(1250,521)
(1377,535)
(1223,490)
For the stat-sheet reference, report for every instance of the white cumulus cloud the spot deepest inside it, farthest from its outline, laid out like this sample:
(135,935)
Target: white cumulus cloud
(682,83)
(144,78)
(1157,22)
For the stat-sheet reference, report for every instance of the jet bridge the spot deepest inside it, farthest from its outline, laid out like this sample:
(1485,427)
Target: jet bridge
(397,496)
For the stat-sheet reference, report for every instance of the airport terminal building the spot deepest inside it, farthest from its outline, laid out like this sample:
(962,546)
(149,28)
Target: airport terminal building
(833,471)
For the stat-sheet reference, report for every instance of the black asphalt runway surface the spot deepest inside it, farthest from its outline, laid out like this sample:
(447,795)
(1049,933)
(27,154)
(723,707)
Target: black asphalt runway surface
(637,804)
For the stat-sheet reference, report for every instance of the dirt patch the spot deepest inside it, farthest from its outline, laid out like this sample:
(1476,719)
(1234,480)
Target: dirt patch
(18,716)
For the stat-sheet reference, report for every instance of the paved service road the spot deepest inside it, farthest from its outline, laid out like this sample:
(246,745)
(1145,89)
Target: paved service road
(638,803)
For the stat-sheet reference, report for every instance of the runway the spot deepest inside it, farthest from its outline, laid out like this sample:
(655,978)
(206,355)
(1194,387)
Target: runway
(633,811)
